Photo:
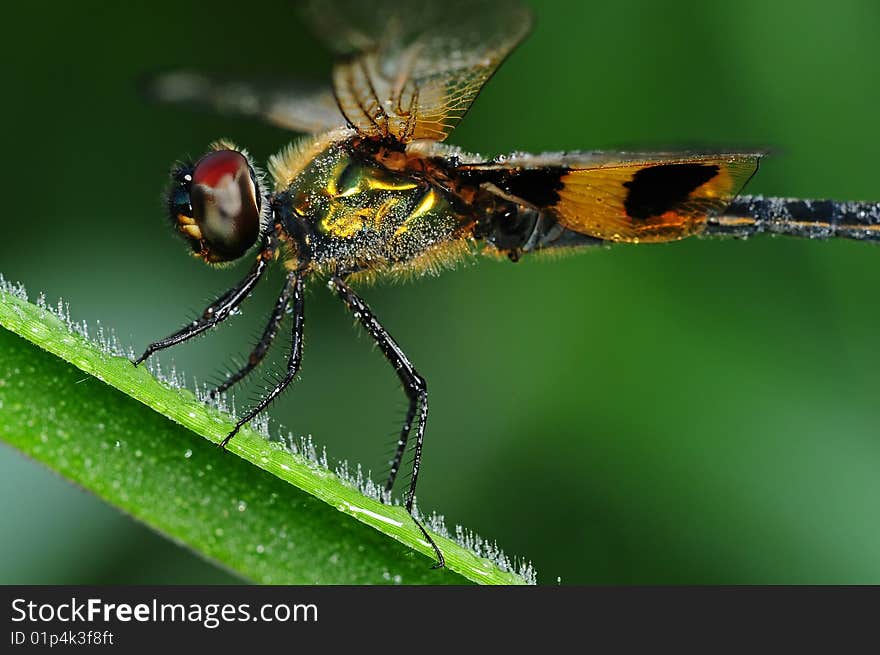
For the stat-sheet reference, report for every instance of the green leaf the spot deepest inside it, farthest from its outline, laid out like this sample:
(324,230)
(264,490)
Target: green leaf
(148,447)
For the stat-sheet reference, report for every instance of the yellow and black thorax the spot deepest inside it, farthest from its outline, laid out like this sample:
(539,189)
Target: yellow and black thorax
(344,210)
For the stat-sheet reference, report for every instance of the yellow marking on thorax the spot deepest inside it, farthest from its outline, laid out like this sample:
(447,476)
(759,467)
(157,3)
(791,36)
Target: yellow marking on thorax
(370,180)
(428,202)
(376,184)
(426,205)
(346,224)
(382,213)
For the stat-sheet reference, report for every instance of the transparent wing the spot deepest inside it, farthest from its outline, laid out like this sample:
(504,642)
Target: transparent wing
(299,106)
(617,196)
(412,69)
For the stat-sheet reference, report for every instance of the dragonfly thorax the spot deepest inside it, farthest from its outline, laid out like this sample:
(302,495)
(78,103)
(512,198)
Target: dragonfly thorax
(347,212)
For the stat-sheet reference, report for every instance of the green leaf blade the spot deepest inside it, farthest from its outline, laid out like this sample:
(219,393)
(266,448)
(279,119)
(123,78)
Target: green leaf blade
(281,519)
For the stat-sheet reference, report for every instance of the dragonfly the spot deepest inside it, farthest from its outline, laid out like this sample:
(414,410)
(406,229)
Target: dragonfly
(372,190)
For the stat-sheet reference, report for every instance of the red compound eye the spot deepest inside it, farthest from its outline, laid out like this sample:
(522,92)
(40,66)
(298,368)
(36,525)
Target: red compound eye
(226,204)
(214,166)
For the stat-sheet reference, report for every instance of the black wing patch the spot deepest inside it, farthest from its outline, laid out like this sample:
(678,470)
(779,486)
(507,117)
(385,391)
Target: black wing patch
(658,189)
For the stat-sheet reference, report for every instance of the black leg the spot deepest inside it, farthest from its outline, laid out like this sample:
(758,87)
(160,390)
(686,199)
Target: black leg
(296,280)
(269,334)
(217,311)
(416,390)
(404,434)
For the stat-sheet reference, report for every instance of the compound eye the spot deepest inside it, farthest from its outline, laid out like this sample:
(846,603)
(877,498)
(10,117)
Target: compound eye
(226,204)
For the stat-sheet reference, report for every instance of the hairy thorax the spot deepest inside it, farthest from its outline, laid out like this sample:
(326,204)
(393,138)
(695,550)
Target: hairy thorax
(349,207)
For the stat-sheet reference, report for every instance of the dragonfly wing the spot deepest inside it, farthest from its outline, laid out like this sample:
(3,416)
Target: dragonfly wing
(619,196)
(410,70)
(298,106)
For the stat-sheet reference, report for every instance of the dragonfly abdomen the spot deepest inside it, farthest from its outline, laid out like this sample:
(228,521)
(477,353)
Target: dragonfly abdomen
(812,219)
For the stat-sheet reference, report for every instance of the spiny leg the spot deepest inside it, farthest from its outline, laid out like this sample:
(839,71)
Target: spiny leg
(293,363)
(414,385)
(262,347)
(404,436)
(416,390)
(220,309)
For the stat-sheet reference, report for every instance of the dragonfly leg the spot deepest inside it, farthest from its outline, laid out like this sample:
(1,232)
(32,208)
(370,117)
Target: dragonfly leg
(416,390)
(220,309)
(269,334)
(293,363)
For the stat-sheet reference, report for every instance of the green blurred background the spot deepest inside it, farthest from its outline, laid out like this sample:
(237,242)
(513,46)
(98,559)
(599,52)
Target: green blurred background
(698,412)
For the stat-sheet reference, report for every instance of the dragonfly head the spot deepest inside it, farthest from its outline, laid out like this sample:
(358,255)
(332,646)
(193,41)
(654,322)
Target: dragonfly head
(217,204)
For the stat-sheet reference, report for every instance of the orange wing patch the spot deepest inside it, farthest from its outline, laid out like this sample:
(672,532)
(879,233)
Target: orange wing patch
(620,196)
(650,201)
